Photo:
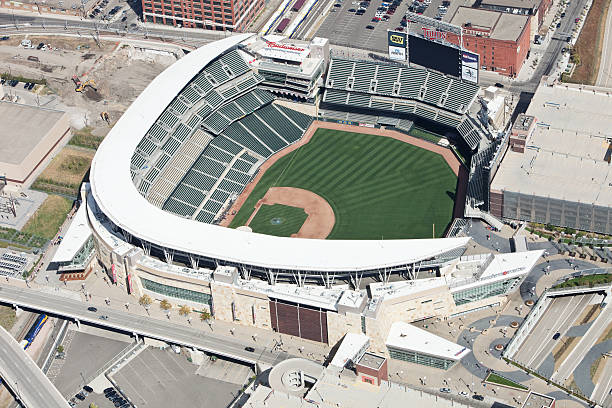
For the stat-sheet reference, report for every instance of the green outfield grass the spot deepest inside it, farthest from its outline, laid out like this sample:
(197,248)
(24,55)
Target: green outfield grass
(378,187)
(280,220)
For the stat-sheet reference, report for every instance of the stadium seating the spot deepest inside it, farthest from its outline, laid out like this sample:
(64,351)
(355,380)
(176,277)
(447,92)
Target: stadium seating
(277,119)
(273,141)
(300,119)
(334,96)
(339,72)
(436,85)
(400,81)
(469,132)
(386,76)
(460,95)
(208,142)
(363,74)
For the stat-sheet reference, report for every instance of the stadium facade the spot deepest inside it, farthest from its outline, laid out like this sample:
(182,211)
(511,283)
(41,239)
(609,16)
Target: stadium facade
(182,153)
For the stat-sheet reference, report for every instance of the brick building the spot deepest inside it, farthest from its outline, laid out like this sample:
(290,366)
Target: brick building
(501,39)
(535,8)
(221,15)
(522,130)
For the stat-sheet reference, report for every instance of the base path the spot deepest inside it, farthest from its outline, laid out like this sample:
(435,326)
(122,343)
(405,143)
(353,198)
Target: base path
(446,153)
(321,218)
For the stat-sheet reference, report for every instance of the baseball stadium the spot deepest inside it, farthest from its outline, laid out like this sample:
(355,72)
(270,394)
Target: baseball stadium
(214,191)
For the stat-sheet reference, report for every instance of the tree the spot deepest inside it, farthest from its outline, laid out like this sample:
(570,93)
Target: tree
(145,301)
(165,305)
(184,310)
(92,405)
(60,349)
(206,317)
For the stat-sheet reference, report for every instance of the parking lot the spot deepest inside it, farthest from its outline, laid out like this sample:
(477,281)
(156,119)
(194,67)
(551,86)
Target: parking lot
(160,378)
(345,26)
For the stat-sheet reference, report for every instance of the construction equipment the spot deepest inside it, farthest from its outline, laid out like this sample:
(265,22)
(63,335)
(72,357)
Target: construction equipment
(83,85)
(76,80)
(105,117)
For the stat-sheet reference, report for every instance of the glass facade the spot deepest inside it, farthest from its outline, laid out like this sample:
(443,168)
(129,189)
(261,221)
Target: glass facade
(418,358)
(484,291)
(179,293)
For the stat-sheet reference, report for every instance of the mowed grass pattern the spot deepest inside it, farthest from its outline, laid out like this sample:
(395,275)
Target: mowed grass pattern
(378,187)
(291,220)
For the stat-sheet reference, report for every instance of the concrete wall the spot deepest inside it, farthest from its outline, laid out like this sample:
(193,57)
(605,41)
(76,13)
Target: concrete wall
(250,308)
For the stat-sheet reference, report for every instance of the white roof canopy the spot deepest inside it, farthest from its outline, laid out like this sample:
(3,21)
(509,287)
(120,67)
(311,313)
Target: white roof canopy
(78,232)
(117,197)
(404,336)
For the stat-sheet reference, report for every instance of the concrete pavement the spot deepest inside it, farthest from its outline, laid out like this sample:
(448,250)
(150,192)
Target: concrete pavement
(22,375)
(603,388)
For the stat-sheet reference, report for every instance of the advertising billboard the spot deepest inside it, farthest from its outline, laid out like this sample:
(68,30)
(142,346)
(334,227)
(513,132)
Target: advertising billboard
(397,45)
(469,66)
(444,58)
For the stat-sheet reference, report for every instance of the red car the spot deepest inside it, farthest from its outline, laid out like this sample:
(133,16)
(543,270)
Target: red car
(375,19)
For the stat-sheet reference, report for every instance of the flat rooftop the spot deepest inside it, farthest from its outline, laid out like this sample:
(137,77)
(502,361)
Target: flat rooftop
(568,155)
(501,26)
(372,361)
(23,127)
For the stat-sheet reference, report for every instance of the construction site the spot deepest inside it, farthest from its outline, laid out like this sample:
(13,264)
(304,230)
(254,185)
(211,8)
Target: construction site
(93,81)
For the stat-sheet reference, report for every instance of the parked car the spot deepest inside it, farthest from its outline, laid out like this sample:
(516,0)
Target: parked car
(369,27)
(5,38)
(93,309)
(88,388)
(556,336)
(40,45)
(31,86)
(249,349)
(499,85)
(445,390)
(478,397)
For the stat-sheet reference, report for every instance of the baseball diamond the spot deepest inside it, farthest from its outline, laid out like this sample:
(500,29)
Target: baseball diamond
(378,187)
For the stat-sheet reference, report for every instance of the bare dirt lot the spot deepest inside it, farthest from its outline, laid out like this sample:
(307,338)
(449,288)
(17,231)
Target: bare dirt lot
(119,73)
(320,220)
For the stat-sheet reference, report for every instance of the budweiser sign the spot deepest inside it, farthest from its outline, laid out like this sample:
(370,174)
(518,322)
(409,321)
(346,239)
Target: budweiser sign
(433,34)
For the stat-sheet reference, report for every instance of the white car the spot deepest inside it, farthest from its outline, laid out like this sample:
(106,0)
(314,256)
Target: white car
(465,394)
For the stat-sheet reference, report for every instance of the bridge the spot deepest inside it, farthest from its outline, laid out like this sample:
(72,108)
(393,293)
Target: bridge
(167,331)
(27,381)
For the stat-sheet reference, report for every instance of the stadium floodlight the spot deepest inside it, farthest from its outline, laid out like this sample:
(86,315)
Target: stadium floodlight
(432,22)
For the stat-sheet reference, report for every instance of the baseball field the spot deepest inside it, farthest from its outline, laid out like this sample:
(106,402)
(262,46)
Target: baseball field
(378,188)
